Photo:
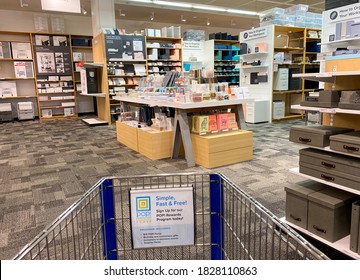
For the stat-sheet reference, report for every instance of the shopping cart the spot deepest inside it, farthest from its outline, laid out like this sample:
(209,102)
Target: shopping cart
(229,224)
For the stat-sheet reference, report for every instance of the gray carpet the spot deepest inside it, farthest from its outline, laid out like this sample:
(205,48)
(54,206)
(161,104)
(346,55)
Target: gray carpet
(46,166)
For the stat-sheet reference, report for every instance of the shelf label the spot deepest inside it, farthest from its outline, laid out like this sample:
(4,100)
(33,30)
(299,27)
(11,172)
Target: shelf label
(254,33)
(162,217)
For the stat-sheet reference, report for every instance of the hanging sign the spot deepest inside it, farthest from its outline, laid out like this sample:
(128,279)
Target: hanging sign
(162,217)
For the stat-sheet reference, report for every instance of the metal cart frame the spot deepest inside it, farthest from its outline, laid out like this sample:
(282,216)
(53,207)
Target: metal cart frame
(229,224)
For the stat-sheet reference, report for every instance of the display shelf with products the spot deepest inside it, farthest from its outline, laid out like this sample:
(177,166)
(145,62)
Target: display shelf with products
(17,79)
(339,73)
(223,55)
(163,55)
(56,96)
(124,62)
(295,53)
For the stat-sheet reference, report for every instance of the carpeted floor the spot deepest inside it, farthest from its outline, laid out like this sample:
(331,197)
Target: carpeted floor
(46,166)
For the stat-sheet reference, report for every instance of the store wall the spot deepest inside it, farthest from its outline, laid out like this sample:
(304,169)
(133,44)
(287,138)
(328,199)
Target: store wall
(24,21)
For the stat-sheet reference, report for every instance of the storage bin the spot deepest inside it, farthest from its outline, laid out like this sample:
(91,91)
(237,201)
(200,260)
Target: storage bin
(6,112)
(329,98)
(296,210)
(330,167)
(330,213)
(350,100)
(272,16)
(317,136)
(346,143)
(278,109)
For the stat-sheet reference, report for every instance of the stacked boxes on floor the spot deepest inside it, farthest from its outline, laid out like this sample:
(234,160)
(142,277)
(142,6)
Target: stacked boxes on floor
(25,110)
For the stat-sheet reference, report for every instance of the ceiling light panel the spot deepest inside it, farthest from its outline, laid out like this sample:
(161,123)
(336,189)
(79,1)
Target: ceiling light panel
(209,8)
(173,4)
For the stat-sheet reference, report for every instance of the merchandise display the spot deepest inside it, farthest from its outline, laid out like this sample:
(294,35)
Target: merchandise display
(169,93)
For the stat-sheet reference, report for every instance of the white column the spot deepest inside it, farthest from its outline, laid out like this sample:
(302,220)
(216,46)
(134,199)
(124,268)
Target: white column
(103,15)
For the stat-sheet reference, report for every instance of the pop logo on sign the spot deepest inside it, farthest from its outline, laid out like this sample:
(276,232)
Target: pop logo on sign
(143,209)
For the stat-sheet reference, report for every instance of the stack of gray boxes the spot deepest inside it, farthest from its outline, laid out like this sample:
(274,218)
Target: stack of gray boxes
(6,112)
(323,210)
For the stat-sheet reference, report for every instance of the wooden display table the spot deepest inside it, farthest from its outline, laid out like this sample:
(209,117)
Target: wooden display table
(182,130)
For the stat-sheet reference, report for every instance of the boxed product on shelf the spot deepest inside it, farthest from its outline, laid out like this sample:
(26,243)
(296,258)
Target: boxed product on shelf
(23,69)
(8,89)
(21,50)
(69,111)
(222,121)
(355,227)
(194,35)
(329,213)
(272,16)
(278,109)
(350,99)
(200,124)
(213,123)
(318,136)
(5,50)
(281,79)
(346,142)
(297,201)
(232,123)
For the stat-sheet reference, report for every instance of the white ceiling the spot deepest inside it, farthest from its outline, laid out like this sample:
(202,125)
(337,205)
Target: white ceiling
(140,12)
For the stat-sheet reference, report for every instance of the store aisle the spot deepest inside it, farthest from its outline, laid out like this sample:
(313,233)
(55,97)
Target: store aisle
(46,166)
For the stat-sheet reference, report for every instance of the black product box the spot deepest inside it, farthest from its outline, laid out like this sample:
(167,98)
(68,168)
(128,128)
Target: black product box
(92,80)
(294,83)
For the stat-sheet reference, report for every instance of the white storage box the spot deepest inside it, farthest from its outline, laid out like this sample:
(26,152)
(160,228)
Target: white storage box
(6,112)
(278,109)
(281,79)
(25,110)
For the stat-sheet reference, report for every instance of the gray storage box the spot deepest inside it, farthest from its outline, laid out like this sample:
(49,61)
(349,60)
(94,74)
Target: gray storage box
(350,99)
(346,142)
(317,136)
(329,213)
(296,210)
(327,99)
(6,112)
(330,161)
(355,227)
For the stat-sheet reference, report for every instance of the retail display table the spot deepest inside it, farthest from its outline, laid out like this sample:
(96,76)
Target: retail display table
(182,130)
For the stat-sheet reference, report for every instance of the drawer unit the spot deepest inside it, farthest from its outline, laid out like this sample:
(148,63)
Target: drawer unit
(296,210)
(330,161)
(317,136)
(346,143)
(281,79)
(329,213)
